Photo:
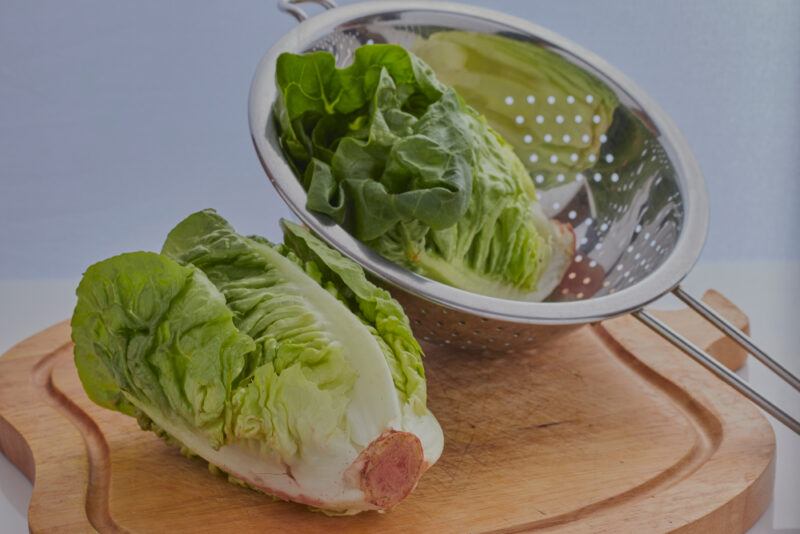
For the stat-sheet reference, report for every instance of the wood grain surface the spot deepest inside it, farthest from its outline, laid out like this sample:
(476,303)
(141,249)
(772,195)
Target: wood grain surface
(608,429)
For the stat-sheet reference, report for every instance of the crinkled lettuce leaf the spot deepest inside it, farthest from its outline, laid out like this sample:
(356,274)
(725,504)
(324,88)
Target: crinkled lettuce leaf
(375,306)
(148,328)
(297,367)
(404,164)
(421,166)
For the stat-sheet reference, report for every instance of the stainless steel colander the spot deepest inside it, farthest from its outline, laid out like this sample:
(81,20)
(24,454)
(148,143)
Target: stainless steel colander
(624,178)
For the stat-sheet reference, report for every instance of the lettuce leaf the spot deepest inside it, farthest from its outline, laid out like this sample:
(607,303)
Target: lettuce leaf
(148,328)
(298,365)
(423,166)
(375,306)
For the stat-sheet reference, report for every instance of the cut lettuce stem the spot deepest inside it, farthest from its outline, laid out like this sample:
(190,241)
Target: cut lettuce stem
(383,474)
(561,238)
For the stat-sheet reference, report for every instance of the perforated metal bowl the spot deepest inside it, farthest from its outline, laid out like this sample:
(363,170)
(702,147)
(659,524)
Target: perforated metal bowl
(637,201)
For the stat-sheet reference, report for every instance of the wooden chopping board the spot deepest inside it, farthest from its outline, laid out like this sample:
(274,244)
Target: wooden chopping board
(608,429)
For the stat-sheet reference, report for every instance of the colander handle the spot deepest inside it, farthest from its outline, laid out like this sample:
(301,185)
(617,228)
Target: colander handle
(290,7)
(717,368)
(737,335)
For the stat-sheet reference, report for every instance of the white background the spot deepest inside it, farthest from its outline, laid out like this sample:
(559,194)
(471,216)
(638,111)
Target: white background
(118,119)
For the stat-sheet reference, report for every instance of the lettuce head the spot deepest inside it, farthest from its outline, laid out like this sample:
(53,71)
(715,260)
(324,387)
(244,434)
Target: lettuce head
(281,365)
(408,167)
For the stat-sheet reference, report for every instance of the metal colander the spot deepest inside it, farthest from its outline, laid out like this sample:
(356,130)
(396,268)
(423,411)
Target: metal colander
(603,156)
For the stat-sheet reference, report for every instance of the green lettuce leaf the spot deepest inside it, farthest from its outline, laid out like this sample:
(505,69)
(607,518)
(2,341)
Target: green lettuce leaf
(298,366)
(147,328)
(375,306)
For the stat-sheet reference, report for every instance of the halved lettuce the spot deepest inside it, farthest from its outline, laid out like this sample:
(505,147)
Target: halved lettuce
(279,364)
(409,168)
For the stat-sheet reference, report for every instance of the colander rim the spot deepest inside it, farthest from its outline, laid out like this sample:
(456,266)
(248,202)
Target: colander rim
(663,279)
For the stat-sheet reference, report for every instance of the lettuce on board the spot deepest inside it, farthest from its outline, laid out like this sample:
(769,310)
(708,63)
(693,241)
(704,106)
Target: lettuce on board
(281,365)
(402,162)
